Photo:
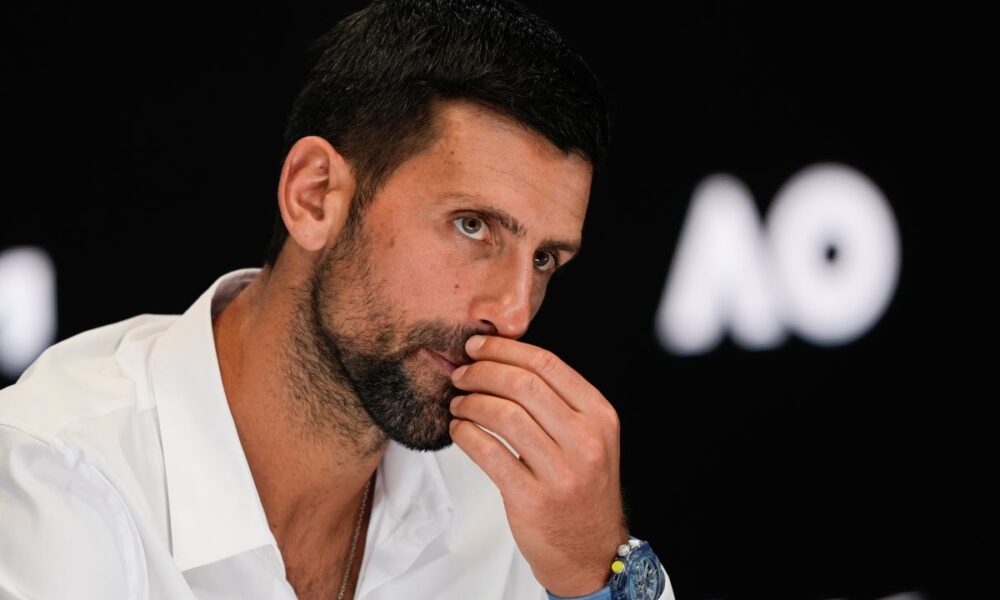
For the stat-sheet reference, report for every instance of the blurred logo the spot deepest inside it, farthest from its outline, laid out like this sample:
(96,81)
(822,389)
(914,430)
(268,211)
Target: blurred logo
(824,265)
(27,307)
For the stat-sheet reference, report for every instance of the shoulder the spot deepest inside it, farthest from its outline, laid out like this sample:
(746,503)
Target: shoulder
(86,376)
(79,454)
(60,515)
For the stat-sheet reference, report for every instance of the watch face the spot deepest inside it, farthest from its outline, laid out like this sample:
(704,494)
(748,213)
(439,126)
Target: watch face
(643,579)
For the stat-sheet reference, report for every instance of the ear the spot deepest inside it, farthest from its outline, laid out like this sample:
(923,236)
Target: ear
(314,193)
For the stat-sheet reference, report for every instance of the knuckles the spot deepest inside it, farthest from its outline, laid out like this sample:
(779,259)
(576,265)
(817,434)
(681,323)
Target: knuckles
(592,453)
(567,489)
(526,384)
(496,453)
(511,417)
(544,362)
(611,417)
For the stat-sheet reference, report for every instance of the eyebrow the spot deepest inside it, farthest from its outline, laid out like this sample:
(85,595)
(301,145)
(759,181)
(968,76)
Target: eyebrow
(514,226)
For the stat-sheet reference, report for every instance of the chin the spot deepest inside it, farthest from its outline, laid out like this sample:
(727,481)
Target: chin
(415,412)
(428,432)
(432,446)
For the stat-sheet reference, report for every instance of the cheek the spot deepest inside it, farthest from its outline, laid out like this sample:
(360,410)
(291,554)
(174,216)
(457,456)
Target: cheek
(537,297)
(424,272)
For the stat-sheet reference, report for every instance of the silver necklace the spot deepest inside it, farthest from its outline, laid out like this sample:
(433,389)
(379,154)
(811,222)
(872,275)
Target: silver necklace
(354,542)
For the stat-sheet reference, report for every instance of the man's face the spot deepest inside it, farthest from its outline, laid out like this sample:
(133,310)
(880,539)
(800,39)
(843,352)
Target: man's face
(434,261)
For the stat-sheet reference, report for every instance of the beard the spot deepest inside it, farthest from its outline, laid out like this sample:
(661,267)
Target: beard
(353,354)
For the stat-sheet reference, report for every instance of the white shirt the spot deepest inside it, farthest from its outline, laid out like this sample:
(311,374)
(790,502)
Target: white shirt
(122,476)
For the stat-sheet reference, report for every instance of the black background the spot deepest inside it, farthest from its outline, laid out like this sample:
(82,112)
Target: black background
(143,153)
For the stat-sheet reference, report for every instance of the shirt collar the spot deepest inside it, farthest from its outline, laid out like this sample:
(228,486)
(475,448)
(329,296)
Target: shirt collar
(214,508)
(215,511)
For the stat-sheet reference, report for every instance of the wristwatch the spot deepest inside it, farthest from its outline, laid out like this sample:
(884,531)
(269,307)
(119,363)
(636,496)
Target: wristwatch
(636,573)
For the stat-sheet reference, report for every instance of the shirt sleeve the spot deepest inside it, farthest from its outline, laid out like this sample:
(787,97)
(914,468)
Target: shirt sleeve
(64,532)
(602,594)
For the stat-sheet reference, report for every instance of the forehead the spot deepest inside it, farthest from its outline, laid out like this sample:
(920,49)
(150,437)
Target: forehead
(479,153)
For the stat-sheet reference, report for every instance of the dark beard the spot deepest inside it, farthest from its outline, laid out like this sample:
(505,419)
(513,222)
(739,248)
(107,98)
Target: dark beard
(381,383)
(360,386)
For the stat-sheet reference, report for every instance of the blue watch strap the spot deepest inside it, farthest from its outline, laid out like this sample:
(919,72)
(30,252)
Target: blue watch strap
(602,594)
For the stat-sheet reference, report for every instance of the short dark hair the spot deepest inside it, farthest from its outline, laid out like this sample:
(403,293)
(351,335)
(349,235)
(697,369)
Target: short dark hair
(381,71)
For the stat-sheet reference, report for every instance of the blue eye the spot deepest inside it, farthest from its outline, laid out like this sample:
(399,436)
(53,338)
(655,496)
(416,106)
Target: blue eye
(474,227)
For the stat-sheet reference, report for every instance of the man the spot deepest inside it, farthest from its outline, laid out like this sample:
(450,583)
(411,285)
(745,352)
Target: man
(437,172)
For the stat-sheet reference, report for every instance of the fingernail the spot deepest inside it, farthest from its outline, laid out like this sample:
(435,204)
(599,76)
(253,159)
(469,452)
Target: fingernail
(457,373)
(475,342)
(455,401)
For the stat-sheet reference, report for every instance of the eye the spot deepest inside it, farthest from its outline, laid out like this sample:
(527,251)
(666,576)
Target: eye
(548,261)
(473,227)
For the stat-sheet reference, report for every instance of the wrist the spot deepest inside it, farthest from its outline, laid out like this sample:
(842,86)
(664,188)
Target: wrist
(582,585)
(634,573)
(591,578)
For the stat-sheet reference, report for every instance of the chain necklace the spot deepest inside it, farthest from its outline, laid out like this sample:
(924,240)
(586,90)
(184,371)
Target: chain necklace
(354,542)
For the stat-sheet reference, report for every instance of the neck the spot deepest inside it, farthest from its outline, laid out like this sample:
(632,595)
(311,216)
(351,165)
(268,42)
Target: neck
(310,445)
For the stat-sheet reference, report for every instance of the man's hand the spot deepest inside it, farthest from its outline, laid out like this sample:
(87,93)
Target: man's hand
(563,497)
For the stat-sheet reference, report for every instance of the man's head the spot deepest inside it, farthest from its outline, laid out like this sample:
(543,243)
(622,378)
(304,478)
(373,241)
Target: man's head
(438,169)
(378,71)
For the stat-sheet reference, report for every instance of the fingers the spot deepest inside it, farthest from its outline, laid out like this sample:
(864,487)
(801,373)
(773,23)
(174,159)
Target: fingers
(506,471)
(526,389)
(513,423)
(566,382)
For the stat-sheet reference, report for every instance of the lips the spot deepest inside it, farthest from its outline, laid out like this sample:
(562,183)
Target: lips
(449,362)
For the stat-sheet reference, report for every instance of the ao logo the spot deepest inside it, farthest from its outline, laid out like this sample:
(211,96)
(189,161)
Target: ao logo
(27,307)
(824,265)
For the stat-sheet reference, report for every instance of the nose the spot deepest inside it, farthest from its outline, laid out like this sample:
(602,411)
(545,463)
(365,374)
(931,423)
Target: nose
(508,300)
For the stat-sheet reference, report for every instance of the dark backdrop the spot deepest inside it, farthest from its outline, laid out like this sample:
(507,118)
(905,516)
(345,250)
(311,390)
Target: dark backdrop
(143,156)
